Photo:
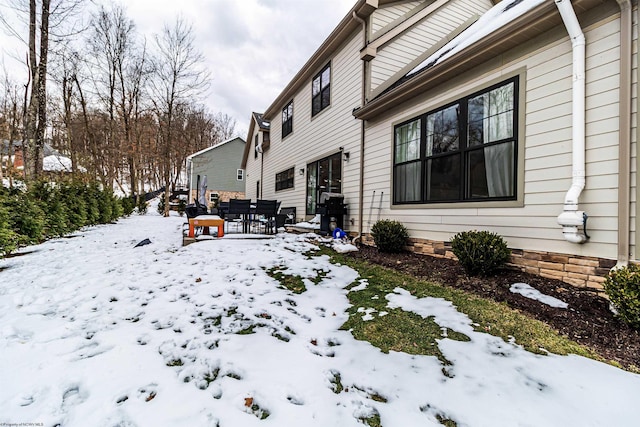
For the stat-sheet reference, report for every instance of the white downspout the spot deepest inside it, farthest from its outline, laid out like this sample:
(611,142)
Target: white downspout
(571,219)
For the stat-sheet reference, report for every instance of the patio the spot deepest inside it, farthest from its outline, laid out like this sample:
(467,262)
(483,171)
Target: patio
(257,219)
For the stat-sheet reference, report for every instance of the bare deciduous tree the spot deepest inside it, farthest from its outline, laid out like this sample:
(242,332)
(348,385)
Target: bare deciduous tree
(179,77)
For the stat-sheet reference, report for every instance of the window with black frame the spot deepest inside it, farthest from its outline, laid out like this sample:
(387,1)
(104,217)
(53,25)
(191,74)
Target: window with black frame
(287,119)
(285,179)
(255,147)
(464,151)
(321,90)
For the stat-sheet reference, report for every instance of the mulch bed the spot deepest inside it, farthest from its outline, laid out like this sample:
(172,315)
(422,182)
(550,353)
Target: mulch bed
(587,321)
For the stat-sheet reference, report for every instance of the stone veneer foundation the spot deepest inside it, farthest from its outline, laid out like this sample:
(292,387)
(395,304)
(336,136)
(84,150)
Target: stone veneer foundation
(579,271)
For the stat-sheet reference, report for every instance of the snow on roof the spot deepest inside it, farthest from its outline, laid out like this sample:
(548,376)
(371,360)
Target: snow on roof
(58,163)
(495,18)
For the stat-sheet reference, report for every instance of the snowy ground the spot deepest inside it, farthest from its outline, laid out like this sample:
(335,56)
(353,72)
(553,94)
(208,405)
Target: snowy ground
(96,332)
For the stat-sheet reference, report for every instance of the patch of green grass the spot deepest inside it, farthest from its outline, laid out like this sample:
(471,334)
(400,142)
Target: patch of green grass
(248,330)
(211,376)
(446,421)
(175,362)
(320,274)
(372,394)
(259,412)
(372,420)
(410,333)
(336,382)
(291,282)
(234,376)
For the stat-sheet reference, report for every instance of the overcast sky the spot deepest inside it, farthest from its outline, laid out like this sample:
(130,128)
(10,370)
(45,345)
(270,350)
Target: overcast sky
(252,47)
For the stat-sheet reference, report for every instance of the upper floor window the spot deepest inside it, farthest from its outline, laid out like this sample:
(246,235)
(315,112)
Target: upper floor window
(240,174)
(465,151)
(256,146)
(284,180)
(287,119)
(321,90)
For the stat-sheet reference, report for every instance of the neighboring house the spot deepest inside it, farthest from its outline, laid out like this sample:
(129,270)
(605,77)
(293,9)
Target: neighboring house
(221,166)
(473,116)
(53,160)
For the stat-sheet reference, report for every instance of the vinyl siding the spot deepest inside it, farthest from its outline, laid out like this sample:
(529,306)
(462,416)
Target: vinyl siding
(402,51)
(316,137)
(220,165)
(547,151)
(252,170)
(385,15)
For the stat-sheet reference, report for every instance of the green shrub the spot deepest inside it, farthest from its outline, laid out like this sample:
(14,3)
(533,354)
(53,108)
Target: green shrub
(8,238)
(389,236)
(91,195)
(128,204)
(50,209)
(72,194)
(481,253)
(48,195)
(161,204)
(116,211)
(182,206)
(26,217)
(623,288)
(142,206)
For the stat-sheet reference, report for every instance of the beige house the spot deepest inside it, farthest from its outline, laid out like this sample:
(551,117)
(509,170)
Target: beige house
(451,115)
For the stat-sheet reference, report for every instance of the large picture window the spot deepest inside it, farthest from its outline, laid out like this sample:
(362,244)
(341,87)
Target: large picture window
(321,90)
(284,180)
(464,151)
(287,119)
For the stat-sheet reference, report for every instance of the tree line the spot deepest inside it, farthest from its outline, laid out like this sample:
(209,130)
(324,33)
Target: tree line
(126,110)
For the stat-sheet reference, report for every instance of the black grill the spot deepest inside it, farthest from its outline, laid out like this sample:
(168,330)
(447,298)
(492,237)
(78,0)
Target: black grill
(332,210)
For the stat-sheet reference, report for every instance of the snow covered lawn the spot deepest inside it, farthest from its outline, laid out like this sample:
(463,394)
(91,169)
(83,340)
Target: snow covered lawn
(95,332)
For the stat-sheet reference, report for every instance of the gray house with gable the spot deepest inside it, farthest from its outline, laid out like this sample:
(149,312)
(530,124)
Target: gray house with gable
(220,164)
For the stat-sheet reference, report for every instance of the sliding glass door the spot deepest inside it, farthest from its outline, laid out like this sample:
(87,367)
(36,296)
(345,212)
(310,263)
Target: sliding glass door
(324,175)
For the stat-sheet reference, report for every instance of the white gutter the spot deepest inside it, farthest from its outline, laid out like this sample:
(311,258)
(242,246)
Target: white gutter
(572,220)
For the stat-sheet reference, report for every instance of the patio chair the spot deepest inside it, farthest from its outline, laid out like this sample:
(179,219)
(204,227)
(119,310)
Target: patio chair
(286,216)
(265,214)
(241,210)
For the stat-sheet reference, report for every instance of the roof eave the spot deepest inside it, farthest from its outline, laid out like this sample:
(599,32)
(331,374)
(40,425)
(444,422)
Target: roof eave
(245,154)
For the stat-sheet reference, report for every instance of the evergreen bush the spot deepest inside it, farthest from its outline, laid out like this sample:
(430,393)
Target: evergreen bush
(8,238)
(182,207)
(623,289)
(51,199)
(26,217)
(481,253)
(142,206)
(389,236)
(49,210)
(161,204)
(105,206)
(91,195)
(116,208)
(128,204)
(76,205)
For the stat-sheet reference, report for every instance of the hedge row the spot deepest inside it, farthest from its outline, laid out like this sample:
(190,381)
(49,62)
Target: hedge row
(48,210)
